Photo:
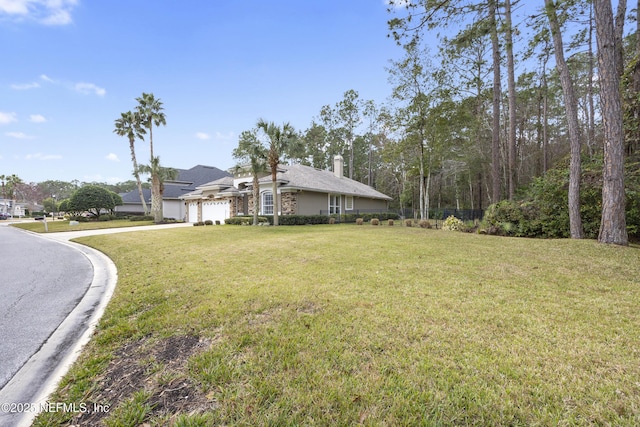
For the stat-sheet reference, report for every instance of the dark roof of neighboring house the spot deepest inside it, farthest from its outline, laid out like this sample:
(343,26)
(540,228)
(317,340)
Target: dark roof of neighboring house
(186,181)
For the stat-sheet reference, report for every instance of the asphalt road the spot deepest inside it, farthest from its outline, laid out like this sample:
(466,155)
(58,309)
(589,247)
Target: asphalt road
(41,282)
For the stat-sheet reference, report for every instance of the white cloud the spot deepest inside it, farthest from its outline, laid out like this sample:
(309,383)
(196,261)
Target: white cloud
(203,136)
(37,118)
(80,87)
(88,88)
(113,157)
(25,86)
(19,135)
(6,118)
(47,12)
(41,156)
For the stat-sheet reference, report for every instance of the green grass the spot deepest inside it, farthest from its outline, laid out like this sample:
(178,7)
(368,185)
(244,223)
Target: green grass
(342,325)
(60,225)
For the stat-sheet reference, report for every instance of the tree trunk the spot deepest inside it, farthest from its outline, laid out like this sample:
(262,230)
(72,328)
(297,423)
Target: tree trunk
(570,104)
(511,82)
(256,199)
(274,189)
(497,93)
(156,199)
(613,227)
(137,175)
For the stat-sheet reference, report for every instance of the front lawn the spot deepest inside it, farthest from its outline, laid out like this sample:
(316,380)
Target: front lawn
(346,324)
(64,225)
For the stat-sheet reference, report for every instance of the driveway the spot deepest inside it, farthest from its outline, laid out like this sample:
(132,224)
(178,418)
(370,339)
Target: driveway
(53,294)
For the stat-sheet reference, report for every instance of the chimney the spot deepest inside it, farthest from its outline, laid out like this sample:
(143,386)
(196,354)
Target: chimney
(338,166)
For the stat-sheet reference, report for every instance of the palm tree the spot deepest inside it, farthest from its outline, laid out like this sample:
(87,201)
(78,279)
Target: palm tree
(252,151)
(159,175)
(279,139)
(129,125)
(150,112)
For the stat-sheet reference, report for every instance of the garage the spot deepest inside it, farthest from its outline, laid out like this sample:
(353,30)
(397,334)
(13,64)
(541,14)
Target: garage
(193,212)
(215,210)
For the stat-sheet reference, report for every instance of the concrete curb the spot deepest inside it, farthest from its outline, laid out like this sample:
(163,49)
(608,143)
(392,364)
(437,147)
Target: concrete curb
(38,378)
(32,385)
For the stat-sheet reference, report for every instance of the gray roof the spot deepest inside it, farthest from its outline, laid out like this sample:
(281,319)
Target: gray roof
(186,181)
(312,179)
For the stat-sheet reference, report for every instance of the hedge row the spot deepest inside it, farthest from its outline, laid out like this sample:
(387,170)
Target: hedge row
(311,219)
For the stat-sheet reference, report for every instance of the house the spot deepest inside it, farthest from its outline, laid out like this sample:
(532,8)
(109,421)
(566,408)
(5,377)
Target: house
(173,207)
(301,190)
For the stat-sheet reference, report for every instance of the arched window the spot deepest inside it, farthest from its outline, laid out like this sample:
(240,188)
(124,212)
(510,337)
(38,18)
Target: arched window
(267,203)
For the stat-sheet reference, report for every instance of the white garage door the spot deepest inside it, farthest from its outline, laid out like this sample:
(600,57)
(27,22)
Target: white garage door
(193,212)
(215,211)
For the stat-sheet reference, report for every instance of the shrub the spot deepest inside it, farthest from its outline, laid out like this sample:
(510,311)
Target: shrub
(359,221)
(390,222)
(217,222)
(375,221)
(208,222)
(408,222)
(141,218)
(332,220)
(423,223)
(452,224)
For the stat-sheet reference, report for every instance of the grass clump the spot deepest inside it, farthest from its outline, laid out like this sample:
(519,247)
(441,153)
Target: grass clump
(456,329)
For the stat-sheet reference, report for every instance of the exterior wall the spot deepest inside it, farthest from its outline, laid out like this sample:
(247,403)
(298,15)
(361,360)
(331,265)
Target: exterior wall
(310,203)
(368,204)
(289,203)
(131,207)
(173,209)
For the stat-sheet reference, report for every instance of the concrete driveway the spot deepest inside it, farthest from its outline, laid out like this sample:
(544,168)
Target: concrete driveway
(53,294)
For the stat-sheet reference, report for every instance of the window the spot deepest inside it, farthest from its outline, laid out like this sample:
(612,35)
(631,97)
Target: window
(267,203)
(334,204)
(348,203)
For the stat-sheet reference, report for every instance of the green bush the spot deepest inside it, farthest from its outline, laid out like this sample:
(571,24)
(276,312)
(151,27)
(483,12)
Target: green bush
(543,208)
(208,222)
(245,220)
(141,218)
(452,224)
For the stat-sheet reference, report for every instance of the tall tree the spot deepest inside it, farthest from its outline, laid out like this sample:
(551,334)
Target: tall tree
(497,94)
(414,85)
(613,227)
(279,138)
(348,110)
(150,113)
(575,168)
(250,150)
(511,88)
(128,125)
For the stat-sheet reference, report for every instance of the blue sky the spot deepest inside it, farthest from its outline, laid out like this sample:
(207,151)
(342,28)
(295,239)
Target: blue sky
(70,67)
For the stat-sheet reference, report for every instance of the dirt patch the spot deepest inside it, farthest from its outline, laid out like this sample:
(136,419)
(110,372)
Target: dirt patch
(157,366)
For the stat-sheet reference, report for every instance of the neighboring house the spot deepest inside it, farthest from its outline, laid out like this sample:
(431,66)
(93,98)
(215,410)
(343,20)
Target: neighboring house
(302,190)
(173,207)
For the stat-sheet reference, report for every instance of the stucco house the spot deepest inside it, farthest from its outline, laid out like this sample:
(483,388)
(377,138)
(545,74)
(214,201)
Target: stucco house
(301,190)
(173,207)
